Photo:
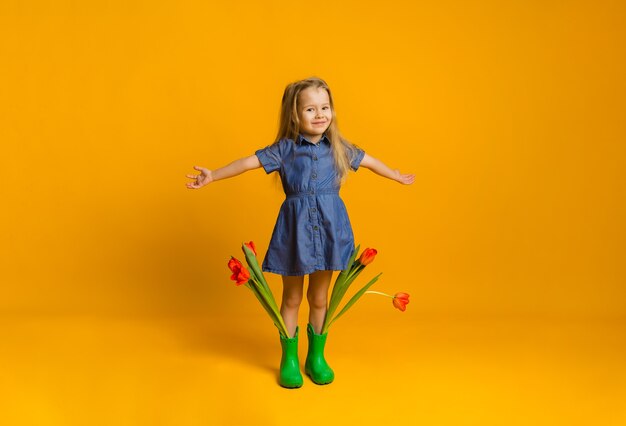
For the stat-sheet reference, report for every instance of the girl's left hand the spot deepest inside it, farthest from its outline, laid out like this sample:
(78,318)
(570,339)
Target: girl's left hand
(405,179)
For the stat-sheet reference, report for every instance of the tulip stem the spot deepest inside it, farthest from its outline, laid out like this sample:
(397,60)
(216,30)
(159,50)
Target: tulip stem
(378,292)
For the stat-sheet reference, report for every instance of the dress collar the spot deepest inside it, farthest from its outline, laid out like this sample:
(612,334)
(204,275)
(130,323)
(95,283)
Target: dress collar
(303,139)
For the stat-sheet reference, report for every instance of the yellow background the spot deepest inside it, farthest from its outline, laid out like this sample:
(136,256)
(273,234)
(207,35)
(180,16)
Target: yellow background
(115,303)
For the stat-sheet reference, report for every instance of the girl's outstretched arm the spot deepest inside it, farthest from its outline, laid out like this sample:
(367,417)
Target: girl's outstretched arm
(383,170)
(235,168)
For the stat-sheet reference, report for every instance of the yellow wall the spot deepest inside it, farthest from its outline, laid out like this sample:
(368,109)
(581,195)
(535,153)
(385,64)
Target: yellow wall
(510,115)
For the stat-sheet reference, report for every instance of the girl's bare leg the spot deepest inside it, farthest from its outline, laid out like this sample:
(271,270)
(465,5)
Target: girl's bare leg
(292,297)
(317,294)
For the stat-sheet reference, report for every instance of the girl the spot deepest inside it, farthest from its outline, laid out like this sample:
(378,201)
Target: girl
(312,234)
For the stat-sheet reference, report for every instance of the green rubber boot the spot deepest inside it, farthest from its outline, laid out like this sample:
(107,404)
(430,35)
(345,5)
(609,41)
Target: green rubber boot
(290,376)
(316,366)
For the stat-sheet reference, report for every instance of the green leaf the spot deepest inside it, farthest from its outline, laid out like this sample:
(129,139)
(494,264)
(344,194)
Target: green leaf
(346,271)
(253,263)
(274,314)
(262,291)
(343,274)
(337,294)
(341,287)
(352,301)
(342,283)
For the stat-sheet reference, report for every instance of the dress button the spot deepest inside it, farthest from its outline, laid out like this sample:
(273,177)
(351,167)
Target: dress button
(315,228)
(315,158)
(313,210)
(313,176)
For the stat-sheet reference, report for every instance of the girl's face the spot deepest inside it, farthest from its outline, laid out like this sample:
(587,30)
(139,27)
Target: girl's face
(314,113)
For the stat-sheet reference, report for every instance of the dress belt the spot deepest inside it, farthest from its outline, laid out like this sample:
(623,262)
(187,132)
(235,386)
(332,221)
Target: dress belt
(311,193)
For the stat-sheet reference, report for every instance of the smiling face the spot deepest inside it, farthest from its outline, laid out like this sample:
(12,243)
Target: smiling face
(314,113)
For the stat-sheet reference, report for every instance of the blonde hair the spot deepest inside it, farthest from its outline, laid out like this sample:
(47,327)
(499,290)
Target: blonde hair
(343,151)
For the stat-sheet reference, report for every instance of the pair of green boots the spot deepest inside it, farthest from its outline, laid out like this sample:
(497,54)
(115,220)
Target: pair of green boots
(315,366)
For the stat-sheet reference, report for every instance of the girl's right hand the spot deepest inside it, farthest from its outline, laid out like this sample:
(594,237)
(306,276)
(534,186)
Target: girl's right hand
(204,178)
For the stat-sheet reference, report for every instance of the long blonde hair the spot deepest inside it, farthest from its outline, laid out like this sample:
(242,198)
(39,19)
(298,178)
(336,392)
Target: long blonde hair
(343,151)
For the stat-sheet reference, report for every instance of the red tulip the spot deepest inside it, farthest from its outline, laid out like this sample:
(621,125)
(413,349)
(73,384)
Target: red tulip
(368,256)
(240,274)
(250,245)
(400,300)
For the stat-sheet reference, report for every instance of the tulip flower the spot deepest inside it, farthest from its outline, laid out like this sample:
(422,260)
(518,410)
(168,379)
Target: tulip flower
(344,281)
(367,256)
(255,282)
(240,274)
(399,300)
(250,245)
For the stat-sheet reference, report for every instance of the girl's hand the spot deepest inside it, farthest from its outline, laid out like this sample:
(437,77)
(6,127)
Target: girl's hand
(405,179)
(204,178)
(381,169)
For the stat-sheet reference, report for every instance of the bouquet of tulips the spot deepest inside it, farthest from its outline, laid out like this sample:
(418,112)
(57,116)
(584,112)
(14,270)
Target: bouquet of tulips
(255,281)
(345,279)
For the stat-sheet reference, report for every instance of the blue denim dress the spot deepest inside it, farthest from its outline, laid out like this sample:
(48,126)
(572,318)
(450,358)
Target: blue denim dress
(312,231)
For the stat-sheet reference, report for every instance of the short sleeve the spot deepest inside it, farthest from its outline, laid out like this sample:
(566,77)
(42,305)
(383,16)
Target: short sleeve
(270,157)
(357,157)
